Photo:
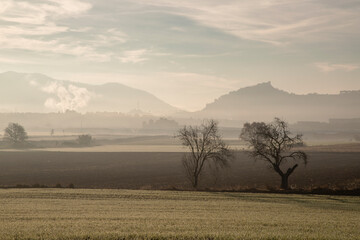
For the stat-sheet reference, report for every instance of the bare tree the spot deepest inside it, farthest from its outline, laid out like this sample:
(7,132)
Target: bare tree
(273,143)
(206,146)
(15,134)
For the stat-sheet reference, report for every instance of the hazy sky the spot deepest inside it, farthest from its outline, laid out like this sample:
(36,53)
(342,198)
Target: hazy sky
(186,52)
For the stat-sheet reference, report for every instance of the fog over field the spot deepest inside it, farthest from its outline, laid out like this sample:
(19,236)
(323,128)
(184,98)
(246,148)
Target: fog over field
(160,119)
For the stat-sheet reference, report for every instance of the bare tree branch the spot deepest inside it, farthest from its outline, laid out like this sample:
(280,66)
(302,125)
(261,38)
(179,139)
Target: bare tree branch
(272,142)
(205,145)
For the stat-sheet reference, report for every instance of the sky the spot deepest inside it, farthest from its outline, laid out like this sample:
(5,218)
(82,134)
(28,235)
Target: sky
(186,52)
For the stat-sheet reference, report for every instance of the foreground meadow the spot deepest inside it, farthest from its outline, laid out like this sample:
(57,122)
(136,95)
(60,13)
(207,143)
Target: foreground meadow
(133,214)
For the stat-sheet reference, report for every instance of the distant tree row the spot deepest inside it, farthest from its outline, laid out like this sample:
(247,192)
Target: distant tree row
(16,136)
(270,142)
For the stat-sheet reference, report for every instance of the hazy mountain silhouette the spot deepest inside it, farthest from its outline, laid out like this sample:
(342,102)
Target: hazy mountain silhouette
(38,93)
(21,92)
(263,102)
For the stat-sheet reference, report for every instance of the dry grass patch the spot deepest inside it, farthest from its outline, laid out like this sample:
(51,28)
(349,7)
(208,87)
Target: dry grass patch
(126,214)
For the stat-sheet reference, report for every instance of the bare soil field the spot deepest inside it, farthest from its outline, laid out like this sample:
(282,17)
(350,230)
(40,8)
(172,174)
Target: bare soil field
(159,170)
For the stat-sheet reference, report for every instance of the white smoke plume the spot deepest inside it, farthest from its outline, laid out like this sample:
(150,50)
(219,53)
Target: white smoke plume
(67,97)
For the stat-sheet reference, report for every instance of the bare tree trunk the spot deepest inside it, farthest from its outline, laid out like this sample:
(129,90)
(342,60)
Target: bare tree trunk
(285,177)
(284,182)
(196,181)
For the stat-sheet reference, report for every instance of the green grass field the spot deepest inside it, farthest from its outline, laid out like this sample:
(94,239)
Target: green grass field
(129,214)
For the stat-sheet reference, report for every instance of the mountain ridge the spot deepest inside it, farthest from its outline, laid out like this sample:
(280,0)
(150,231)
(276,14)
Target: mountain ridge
(40,93)
(36,92)
(263,102)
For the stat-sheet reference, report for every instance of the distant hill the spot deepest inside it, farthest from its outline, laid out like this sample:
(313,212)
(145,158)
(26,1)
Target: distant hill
(22,92)
(39,93)
(263,102)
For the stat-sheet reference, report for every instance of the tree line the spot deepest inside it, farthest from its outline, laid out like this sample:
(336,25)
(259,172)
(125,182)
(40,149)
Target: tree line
(16,136)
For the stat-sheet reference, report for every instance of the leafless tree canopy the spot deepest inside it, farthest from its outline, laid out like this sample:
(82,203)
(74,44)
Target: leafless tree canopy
(273,143)
(15,134)
(206,146)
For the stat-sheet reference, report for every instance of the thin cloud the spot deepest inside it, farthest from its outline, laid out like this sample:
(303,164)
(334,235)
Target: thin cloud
(277,22)
(34,27)
(55,46)
(329,67)
(178,29)
(47,29)
(134,56)
(40,12)
(14,61)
